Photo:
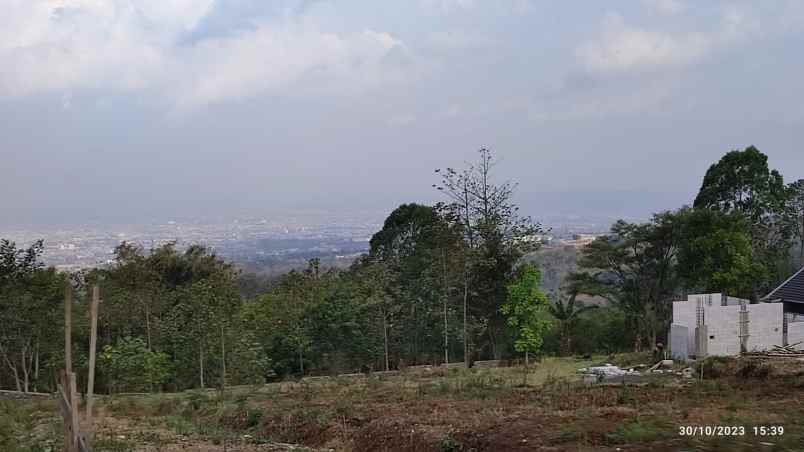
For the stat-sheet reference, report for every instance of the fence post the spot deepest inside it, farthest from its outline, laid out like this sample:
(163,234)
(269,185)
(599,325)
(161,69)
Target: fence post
(93,340)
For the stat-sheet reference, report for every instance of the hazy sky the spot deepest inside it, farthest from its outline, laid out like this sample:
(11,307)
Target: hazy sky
(139,109)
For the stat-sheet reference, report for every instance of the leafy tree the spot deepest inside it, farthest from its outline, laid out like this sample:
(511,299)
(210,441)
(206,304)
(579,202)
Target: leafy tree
(716,254)
(135,285)
(633,267)
(375,286)
(797,211)
(129,365)
(30,298)
(525,309)
(418,245)
(186,302)
(602,330)
(742,182)
(566,310)
(496,238)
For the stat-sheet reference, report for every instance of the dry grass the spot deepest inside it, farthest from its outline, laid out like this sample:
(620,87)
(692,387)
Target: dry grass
(447,410)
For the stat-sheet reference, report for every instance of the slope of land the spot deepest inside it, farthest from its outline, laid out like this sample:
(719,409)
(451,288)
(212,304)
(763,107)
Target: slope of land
(446,410)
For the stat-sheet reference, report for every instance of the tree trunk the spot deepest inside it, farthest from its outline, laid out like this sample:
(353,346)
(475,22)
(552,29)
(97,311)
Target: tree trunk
(24,368)
(201,364)
(223,359)
(301,359)
(12,368)
(446,297)
(446,335)
(385,338)
(638,342)
(148,326)
(36,367)
(465,317)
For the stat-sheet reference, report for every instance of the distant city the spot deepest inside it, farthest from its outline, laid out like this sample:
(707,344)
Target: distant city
(252,243)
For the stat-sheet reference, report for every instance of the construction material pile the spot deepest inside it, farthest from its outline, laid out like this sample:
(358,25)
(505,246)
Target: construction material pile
(790,351)
(607,370)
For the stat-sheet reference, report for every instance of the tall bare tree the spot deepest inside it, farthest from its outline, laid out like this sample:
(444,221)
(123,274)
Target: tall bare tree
(496,237)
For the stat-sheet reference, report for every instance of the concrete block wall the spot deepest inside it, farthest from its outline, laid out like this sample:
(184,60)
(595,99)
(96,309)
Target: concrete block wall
(679,342)
(708,298)
(765,326)
(732,301)
(723,323)
(684,315)
(795,333)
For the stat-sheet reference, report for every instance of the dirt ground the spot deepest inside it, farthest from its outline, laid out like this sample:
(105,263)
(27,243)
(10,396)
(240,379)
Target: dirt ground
(489,409)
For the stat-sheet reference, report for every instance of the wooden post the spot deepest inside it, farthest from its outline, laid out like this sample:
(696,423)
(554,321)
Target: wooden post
(74,415)
(68,392)
(66,412)
(93,340)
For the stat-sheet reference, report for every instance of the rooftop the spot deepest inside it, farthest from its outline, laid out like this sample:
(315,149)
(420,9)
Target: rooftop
(791,290)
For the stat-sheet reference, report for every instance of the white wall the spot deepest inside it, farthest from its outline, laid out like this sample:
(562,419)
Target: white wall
(684,315)
(723,324)
(795,333)
(765,326)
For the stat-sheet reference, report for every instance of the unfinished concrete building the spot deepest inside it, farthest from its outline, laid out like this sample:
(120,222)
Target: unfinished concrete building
(719,325)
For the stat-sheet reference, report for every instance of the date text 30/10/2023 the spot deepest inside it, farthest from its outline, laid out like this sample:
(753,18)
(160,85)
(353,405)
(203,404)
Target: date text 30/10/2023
(730,430)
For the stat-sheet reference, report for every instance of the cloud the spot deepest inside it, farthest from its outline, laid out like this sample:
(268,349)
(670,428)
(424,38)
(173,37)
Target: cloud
(269,59)
(447,6)
(621,100)
(457,40)
(668,7)
(401,120)
(622,48)
(136,45)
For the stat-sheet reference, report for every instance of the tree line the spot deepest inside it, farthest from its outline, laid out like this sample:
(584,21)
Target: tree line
(743,235)
(441,283)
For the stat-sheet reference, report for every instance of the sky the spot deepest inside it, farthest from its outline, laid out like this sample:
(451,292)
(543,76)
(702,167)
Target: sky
(135,110)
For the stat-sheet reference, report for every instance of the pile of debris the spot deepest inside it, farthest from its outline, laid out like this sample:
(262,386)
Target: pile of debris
(789,351)
(609,372)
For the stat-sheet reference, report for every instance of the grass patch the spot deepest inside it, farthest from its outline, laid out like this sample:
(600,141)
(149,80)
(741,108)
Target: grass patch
(110,444)
(639,431)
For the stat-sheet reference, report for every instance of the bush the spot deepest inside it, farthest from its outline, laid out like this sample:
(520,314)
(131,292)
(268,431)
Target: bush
(128,366)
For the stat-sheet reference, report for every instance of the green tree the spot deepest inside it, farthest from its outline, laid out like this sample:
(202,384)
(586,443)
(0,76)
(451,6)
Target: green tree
(716,254)
(742,182)
(566,310)
(797,211)
(634,268)
(525,310)
(418,245)
(129,365)
(185,303)
(30,298)
(496,238)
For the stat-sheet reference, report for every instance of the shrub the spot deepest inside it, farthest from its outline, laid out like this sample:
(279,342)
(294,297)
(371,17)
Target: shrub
(128,366)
